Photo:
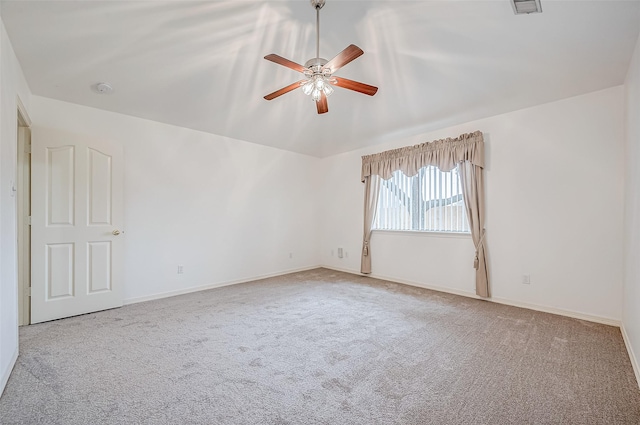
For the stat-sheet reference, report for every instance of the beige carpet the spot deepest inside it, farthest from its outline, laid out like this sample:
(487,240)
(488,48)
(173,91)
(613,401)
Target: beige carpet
(321,347)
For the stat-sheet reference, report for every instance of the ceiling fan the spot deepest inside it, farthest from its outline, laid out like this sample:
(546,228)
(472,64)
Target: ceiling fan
(319,72)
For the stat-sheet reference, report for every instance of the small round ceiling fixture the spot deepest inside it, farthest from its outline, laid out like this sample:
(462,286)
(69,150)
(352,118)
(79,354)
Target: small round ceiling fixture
(103,88)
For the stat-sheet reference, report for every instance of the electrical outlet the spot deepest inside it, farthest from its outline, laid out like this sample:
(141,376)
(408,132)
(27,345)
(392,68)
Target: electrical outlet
(291,255)
(180,269)
(526,279)
(340,254)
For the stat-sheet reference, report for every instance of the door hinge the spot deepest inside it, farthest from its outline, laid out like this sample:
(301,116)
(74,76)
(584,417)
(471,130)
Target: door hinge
(29,220)
(27,148)
(28,291)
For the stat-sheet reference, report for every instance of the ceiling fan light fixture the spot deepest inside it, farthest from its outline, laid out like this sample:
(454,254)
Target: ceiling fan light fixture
(307,88)
(318,72)
(317,85)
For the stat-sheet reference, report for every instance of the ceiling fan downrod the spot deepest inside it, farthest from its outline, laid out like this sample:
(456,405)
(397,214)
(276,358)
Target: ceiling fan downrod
(317,4)
(316,63)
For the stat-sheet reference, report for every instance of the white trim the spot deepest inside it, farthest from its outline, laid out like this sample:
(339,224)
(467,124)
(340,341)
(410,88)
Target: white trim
(212,285)
(463,293)
(424,233)
(7,373)
(632,356)
(23,230)
(23,112)
(559,311)
(568,313)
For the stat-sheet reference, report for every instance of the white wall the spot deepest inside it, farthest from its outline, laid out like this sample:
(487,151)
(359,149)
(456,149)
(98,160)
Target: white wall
(225,209)
(12,85)
(631,298)
(554,181)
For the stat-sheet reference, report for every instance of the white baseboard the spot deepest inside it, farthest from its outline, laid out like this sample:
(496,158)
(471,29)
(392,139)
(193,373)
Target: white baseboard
(211,286)
(408,282)
(568,313)
(559,311)
(632,356)
(5,375)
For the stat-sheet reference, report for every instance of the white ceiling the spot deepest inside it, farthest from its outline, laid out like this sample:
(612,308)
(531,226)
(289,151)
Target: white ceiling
(200,64)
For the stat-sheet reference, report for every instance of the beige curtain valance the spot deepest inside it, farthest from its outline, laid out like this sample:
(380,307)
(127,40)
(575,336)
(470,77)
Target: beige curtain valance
(444,154)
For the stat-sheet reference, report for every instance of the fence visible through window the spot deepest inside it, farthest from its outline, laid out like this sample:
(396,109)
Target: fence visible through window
(430,201)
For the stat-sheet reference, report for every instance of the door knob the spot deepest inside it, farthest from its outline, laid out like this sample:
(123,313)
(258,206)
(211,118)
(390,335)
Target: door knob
(115,232)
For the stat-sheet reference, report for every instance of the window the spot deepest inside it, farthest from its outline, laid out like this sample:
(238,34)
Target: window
(430,201)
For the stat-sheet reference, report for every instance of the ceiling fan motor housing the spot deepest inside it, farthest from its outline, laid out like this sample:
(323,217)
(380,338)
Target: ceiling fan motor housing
(317,4)
(316,65)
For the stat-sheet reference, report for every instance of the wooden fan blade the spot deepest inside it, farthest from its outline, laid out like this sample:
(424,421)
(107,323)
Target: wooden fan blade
(283,90)
(322,105)
(343,58)
(355,86)
(285,62)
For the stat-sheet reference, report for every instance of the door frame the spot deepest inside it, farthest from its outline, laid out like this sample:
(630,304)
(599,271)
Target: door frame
(23,213)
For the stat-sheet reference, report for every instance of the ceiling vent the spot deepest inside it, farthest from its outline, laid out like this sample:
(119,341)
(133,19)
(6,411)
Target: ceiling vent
(524,7)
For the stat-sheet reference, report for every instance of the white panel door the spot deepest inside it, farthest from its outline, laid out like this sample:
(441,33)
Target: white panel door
(76,224)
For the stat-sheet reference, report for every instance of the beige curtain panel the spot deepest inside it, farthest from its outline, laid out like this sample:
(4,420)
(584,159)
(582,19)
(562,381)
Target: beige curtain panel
(466,150)
(472,181)
(371,192)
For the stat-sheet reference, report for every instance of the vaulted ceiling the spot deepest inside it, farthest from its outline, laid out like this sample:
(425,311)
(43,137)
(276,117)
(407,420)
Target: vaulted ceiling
(200,64)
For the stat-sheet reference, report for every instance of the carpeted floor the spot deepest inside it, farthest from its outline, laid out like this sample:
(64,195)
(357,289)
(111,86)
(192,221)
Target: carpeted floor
(321,347)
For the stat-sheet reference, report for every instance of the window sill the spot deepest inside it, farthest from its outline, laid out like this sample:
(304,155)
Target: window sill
(420,233)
